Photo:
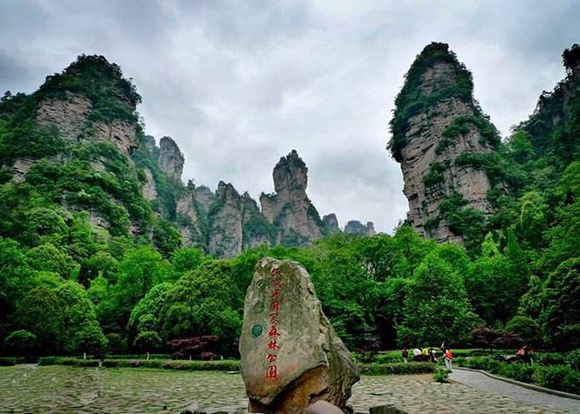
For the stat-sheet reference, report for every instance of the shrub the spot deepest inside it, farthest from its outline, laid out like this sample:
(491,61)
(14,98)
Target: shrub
(7,361)
(571,382)
(573,359)
(441,375)
(518,371)
(484,363)
(552,377)
(117,343)
(20,342)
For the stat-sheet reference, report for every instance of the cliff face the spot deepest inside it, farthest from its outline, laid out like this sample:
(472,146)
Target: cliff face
(81,124)
(70,115)
(440,138)
(356,227)
(82,128)
(189,218)
(225,223)
(171,160)
(290,210)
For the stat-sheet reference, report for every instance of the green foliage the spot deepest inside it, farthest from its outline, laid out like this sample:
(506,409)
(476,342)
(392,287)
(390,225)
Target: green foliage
(441,375)
(463,125)
(116,343)
(257,225)
(8,361)
(435,175)
(166,238)
(489,162)
(26,139)
(146,315)
(40,313)
(493,285)
(47,257)
(562,378)
(463,220)
(112,96)
(80,328)
(527,329)
(220,365)
(562,311)
(518,371)
(436,297)
(203,302)
(148,341)
(21,342)
(573,359)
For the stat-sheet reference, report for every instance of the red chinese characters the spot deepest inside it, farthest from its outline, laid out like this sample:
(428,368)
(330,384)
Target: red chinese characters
(273,332)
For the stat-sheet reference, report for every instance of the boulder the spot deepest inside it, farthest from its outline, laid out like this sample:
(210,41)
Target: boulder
(291,356)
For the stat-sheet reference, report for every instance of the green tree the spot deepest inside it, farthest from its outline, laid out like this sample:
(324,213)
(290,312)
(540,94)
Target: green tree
(50,258)
(148,341)
(561,316)
(21,342)
(146,315)
(203,302)
(493,287)
(81,330)
(527,329)
(139,271)
(40,312)
(16,277)
(437,307)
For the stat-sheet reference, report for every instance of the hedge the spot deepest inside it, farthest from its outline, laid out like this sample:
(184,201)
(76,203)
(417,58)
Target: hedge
(221,365)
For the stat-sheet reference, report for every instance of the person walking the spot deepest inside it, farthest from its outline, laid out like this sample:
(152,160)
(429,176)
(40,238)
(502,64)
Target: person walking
(448,357)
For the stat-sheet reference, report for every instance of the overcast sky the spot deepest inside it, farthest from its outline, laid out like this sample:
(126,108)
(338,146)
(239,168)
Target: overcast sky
(239,84)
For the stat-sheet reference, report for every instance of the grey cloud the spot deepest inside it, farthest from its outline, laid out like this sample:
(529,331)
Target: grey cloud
(238,84)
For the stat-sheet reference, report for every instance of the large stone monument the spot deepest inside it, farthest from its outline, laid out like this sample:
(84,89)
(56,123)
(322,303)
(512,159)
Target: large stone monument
(291,356)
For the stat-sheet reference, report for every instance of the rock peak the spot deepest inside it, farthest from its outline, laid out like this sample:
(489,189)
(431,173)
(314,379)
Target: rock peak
(290,174)
(171,159)
(442,141)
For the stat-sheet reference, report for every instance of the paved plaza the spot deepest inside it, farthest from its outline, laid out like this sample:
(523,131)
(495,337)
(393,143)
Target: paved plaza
(60,389)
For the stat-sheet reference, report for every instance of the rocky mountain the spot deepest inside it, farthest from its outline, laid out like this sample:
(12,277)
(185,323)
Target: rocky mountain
(356,227)
(289,209)
(77,145)
(444,144)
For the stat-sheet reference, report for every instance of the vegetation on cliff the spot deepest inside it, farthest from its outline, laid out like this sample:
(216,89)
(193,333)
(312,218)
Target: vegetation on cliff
(85,261)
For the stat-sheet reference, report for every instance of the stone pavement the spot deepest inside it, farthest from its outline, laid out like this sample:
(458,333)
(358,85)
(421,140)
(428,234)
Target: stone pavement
(60,389)
(469,392)
(487,383)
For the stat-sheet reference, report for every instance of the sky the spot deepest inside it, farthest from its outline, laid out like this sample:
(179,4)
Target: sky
(240,84)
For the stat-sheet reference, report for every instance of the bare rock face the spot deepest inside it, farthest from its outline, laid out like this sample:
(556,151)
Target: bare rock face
(331,223)
(149,190)
(190,228)
(235,223)
(290,210)
(356,227)
(257,230)
(225,227)
(70,117)
(442,141)
(205,197)
(148,142)
(291,356)
(171,159)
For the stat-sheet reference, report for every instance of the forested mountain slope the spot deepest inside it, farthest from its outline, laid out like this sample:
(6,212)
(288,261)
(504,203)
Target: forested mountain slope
(103,248)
